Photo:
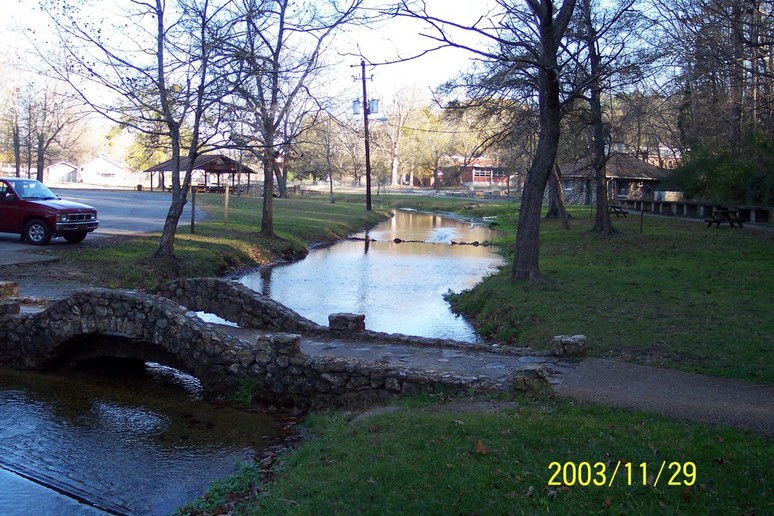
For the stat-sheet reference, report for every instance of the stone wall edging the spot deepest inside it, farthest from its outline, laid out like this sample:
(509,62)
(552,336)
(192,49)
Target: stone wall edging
(275,363)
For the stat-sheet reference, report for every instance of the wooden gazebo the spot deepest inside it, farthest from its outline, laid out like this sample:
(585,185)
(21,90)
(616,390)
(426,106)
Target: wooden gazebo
(206,166)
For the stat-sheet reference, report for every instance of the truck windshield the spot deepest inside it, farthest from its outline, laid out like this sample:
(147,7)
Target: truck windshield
(31,189)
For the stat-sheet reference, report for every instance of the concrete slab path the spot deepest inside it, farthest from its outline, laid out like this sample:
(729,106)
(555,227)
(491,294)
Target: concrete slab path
(672,393)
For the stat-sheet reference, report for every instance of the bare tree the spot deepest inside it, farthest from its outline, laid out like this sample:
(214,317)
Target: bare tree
(277,46)
(611,63)
(54,127)
(42,125)
(405,102)
(148,67)
(526,43)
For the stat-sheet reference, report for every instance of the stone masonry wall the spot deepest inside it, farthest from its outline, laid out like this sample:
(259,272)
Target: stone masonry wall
(281,372)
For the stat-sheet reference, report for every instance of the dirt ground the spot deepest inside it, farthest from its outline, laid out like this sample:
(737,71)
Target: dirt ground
(57,276)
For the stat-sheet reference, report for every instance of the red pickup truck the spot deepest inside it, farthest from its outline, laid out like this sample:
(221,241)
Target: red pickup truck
(30,209)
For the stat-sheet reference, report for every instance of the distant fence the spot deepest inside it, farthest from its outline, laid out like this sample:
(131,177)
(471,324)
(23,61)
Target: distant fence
(754,214)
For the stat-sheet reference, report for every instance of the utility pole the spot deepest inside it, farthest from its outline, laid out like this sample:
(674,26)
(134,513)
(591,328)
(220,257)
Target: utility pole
(366,112)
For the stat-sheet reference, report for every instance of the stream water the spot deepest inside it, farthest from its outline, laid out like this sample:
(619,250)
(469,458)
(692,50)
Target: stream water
(399,287)
(116,439)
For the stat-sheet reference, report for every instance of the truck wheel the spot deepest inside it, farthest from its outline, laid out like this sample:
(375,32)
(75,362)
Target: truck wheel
(37,232)
(74,238)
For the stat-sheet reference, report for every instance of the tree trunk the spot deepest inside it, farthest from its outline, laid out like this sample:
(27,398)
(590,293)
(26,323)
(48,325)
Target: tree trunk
(281,174)
(166,244)
(602,222)
(17,148)
(556,208)
(395,161)
(267,215)
(41,155)
(526,260)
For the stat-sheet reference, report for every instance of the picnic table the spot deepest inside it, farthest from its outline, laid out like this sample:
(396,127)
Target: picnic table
(617,210)
(722,215)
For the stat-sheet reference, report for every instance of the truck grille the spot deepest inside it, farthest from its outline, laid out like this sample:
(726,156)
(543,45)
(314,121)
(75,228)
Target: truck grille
(80,217)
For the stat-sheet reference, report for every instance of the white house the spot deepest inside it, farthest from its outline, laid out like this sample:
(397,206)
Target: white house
(61,172)
(105,172)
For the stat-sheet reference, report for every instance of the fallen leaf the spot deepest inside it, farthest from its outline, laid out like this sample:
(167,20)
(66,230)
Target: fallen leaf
(481,447)
(607,503)
(373,429)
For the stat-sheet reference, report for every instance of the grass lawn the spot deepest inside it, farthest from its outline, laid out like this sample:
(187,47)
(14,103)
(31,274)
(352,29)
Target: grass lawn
(678,294)
(426,460)
(221,247)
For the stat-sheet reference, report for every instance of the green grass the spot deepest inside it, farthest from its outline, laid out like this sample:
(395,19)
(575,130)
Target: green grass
(217,248)
(678,295)
(417,461)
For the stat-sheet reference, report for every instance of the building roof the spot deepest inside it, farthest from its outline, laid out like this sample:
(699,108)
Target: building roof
(618,166)
(212,163)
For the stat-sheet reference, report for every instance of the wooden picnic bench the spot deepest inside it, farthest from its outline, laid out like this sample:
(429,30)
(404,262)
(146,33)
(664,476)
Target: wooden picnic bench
(722,215)
(617,210)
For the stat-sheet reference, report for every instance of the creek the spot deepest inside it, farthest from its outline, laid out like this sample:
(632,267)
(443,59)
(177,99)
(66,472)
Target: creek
(399,286)
(116,439)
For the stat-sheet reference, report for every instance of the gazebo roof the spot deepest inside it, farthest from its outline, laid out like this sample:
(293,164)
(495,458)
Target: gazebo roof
(211,163)
(618,166)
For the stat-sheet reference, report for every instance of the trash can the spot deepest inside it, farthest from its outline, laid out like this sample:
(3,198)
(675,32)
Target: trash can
(139,188)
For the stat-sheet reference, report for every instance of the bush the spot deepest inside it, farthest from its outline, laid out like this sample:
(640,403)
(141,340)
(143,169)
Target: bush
(716,175)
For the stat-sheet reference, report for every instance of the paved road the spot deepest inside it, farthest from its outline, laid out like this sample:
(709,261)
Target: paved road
(120,212)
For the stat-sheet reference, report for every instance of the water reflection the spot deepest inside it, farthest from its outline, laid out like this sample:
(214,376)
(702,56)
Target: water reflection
(136,441)
(398,286)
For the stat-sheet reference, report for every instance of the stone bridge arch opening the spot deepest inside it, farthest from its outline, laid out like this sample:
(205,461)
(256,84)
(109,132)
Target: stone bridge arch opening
(115,348)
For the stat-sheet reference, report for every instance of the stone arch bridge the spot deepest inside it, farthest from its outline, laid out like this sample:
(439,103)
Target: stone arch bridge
(165,328)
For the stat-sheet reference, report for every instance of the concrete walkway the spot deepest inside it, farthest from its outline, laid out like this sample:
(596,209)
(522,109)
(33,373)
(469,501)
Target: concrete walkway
(672,393)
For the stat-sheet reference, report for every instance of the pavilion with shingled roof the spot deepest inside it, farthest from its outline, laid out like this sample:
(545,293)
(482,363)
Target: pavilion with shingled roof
(206,168)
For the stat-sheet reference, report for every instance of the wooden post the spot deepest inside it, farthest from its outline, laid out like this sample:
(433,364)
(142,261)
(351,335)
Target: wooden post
(193,209)
(225,207)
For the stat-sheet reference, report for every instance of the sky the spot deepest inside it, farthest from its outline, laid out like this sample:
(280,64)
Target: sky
(389,41)
(401,37)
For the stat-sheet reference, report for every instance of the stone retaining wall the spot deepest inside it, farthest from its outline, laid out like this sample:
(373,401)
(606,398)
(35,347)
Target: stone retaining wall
(142,326)
(234,302)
